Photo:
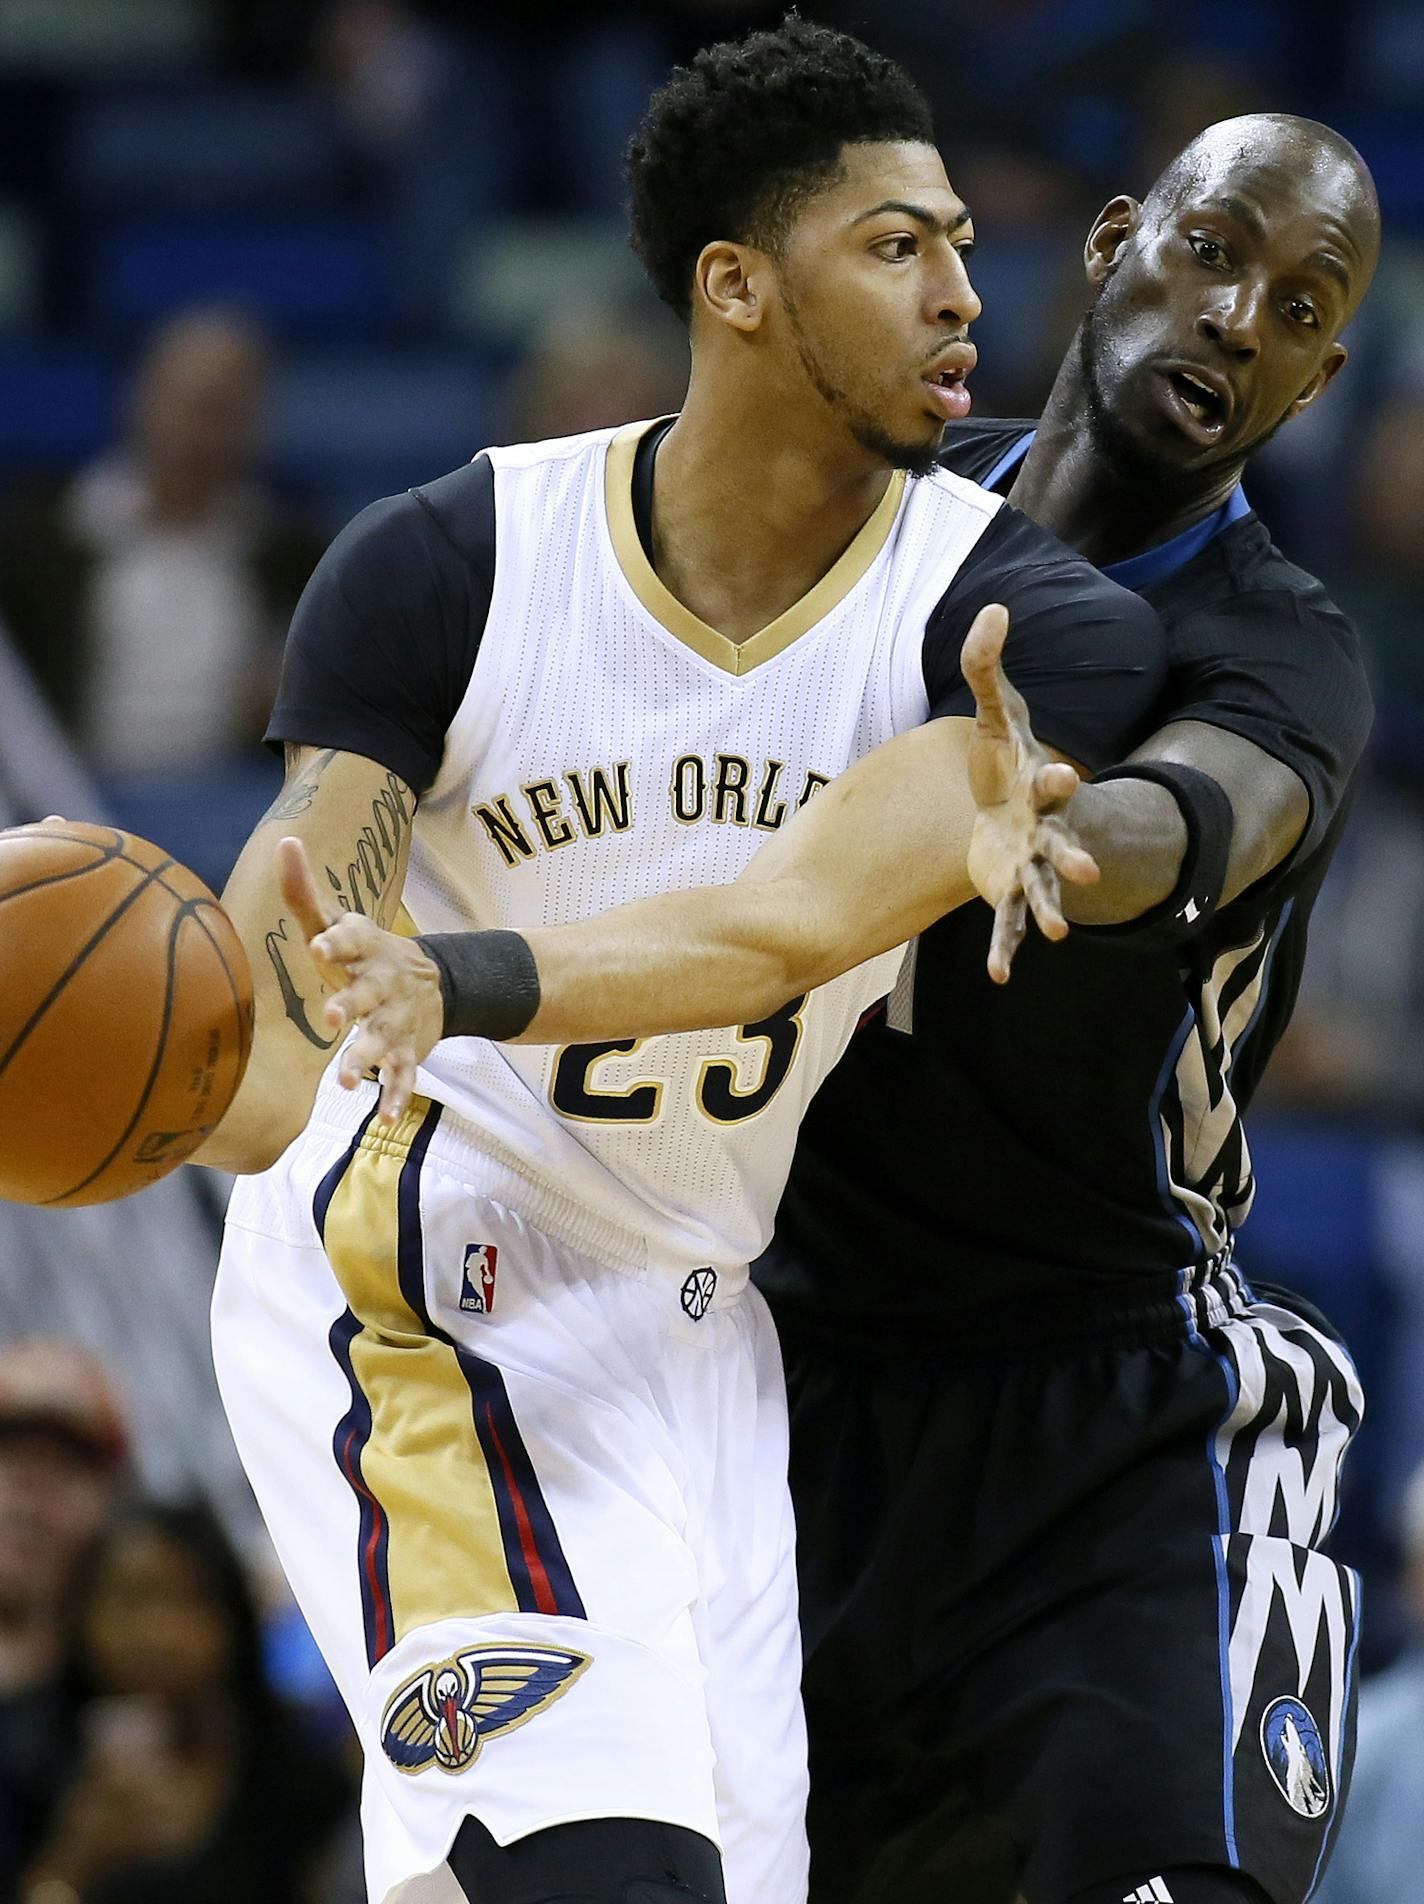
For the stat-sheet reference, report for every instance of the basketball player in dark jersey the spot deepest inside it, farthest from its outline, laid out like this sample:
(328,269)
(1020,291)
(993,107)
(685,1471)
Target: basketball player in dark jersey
(1063,1477)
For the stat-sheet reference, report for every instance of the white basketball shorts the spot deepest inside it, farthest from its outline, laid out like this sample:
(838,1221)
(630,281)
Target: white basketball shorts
(534,1510)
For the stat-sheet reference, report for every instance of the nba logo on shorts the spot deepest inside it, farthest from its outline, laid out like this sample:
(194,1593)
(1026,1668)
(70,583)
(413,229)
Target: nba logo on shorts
(477,1285)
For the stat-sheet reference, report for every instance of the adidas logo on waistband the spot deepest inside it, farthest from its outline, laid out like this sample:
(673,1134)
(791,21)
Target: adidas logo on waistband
(1154,1891)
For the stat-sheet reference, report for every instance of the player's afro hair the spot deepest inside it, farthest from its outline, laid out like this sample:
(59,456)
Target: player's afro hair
(732,145)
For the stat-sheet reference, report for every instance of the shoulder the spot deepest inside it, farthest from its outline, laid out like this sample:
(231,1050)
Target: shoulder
(974,447)
(560,449)
(1030,571)
(1250,607)
(437,540)
(1242,579)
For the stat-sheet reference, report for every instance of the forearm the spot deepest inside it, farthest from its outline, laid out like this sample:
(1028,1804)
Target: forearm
(717,955)
(1135,831)
(355,819)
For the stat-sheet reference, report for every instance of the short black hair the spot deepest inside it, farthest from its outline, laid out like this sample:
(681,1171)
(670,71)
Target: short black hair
(732,145)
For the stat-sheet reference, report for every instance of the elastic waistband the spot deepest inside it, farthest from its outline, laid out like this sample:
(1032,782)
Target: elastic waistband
(478,1161)
(967,1342)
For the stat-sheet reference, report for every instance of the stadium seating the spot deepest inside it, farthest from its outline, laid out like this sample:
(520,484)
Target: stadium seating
(322,275)
(215,150)
(57,405)
(356,425)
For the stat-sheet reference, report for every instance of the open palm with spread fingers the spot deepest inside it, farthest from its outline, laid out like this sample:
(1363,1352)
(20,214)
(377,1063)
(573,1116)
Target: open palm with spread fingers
(1021,847)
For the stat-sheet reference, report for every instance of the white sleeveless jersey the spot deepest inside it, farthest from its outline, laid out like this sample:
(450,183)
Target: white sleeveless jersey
(610,746)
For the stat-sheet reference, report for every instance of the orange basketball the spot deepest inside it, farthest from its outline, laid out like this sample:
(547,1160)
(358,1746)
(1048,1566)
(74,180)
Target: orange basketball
(125,1013)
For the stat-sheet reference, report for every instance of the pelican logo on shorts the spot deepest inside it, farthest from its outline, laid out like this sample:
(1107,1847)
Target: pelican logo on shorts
(477,1284)
(1290,1740)
(697,1293)
(443,1714)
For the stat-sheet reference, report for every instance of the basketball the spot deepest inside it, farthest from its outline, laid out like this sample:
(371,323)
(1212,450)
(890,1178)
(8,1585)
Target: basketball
(125,1013)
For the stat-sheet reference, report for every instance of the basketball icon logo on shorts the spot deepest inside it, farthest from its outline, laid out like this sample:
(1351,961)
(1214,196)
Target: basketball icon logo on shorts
(1290,1740)
(443,1714)
(697,1293)
(477,1284)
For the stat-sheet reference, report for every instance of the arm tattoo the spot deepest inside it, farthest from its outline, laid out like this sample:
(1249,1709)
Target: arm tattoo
(364,883)
(292,1001)
(300,791)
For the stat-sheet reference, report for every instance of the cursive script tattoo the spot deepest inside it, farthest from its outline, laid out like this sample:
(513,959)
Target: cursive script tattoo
(365,883)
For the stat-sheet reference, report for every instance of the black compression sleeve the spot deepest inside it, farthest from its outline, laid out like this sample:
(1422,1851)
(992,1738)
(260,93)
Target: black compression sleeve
(488,981)
(1208,817)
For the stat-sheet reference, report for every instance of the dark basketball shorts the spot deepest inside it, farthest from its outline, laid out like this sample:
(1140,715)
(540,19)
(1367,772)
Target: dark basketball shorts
(1069,1621)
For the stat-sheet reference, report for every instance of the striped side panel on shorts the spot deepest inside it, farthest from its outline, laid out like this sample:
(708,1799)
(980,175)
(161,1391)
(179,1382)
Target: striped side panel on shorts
(452,1523)
(1295,1404)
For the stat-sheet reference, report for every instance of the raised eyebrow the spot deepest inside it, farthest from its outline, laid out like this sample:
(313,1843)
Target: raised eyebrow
(921,214)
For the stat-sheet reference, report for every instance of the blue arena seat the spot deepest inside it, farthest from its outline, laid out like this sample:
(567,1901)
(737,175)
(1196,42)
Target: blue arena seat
(319,275)
(362,424)
(217,150)
(57,405)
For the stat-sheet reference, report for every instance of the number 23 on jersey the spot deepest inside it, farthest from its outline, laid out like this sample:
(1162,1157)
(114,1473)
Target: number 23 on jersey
(576,1093)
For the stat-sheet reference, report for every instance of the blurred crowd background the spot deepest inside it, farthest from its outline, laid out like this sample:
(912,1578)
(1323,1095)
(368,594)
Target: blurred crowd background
(262,262)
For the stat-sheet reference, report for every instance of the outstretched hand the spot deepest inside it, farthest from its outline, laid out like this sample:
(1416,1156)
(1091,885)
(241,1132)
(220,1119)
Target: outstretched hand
(380,982)
(1021,847)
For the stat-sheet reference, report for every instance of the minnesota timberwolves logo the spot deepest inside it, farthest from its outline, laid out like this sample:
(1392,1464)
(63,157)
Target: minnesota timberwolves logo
(443,1714)
(697,1293)
(1290,1740)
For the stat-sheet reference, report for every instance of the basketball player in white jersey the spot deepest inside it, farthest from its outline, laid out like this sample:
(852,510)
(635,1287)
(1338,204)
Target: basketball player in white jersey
(513,1415)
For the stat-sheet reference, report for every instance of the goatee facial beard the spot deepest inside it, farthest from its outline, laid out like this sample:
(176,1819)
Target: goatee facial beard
(1134,465)
(914,458)
(917,459)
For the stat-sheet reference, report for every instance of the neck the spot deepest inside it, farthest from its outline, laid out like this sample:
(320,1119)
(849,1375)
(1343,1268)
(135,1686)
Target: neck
(29,1648)
(204,1723)
(179,496)
(754,502)
(1069,486)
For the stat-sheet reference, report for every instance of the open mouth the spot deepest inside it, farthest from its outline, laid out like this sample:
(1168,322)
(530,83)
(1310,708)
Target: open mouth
(1198,407)
(950,393)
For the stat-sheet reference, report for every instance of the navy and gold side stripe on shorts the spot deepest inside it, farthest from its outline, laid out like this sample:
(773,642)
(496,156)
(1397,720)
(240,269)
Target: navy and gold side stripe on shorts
(453,1524)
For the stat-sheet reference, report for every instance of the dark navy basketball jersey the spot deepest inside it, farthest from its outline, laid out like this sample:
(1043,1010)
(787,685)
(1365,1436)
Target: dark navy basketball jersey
(1064,1156)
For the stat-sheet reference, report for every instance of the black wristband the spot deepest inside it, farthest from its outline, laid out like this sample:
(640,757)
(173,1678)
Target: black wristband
(488,980)
(1207,815)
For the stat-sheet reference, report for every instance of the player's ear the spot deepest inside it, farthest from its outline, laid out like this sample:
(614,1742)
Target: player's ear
(730,282)
(1334,363)
(1112,228)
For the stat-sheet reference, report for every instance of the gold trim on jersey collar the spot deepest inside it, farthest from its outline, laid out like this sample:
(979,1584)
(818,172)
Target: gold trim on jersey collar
(733,657)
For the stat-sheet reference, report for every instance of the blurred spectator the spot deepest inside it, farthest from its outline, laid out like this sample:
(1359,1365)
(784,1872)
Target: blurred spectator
(62,1442)
(1352,1047)
(190,1783)
(590,372)
(151,594)
(1380,1851)
(1388,586)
